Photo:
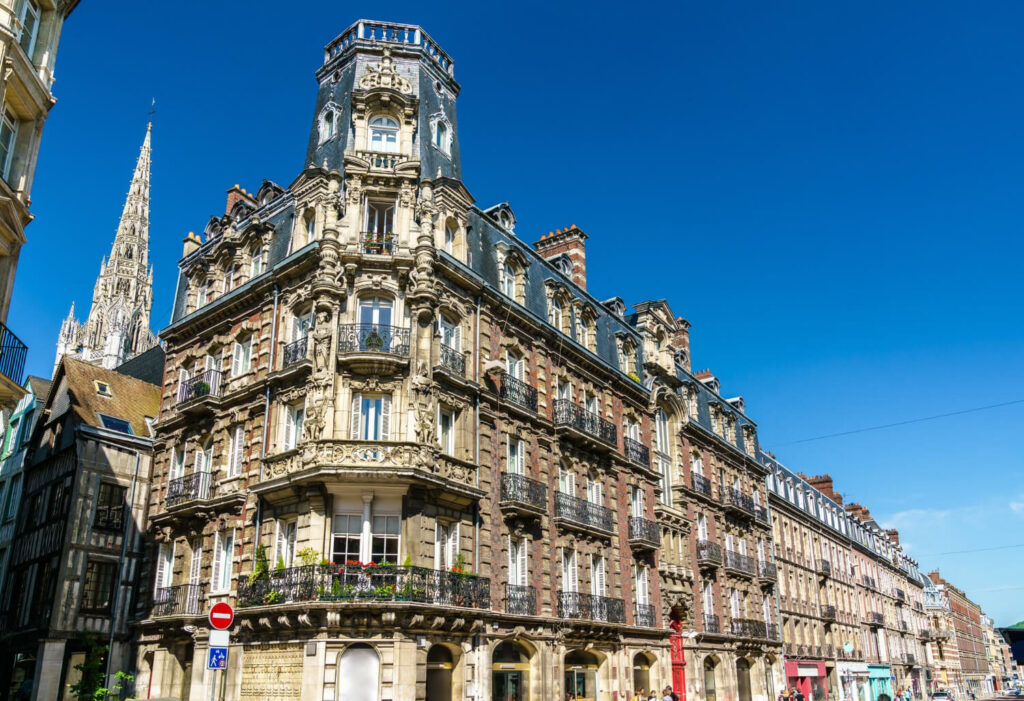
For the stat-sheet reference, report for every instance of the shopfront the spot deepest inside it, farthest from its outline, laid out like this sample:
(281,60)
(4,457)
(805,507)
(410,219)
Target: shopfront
(809,677)
(854,684)
(581,675)
(880,678)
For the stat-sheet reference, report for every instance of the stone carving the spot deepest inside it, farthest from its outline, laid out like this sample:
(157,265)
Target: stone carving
(322,332)
(385,75)
(271,672)
(424,405)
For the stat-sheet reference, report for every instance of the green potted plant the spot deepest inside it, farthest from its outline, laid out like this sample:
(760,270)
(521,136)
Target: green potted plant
(261,566)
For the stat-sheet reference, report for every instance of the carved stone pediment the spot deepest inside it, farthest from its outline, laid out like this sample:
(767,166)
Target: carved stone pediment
(385,75)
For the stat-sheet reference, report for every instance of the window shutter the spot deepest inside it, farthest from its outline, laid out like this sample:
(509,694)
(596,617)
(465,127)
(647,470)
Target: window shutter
(385,418)
(521,457)
(357,400)
(289,427)
(279,544)
(229,558)
(197,561)
(293,536)
(236,359)
(457,337)
(198,461)
(522,554)
(453,545)
(161,566)
(439,537)
(251,354)
(217,563)
(574,578)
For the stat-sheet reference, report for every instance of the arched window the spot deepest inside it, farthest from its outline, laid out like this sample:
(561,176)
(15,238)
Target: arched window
(358,674)
(557,313)
(383,135)
(449,238)
(508,280)
(441,136)
(257,260)
(328,124)
(663,455)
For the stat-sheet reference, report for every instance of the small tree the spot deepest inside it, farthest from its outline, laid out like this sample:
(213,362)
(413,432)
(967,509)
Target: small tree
(90,687)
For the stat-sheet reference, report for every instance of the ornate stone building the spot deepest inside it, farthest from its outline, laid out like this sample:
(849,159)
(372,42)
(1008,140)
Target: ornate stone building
(29,36)
(961,654)
(117,328)
(418,456)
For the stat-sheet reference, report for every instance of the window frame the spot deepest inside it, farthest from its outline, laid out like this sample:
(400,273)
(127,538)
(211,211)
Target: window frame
(98,575)
(376,125)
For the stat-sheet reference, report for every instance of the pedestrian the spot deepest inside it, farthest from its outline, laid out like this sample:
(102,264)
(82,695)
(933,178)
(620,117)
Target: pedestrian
(638,695)
(800,695)
(666,694)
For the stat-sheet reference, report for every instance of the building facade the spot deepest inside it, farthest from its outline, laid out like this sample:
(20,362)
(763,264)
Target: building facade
(71,581)
(117,328)
(29,35)
(416,454)
(963,656)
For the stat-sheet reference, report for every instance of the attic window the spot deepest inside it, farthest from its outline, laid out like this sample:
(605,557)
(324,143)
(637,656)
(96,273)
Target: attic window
(103,389)
(116,424)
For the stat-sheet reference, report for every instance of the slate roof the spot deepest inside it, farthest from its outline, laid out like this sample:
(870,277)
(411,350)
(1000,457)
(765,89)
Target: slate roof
(131,399)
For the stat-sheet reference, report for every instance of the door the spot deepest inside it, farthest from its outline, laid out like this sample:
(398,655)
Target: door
(743,679)
(709,680)
(375,324)
(508,686)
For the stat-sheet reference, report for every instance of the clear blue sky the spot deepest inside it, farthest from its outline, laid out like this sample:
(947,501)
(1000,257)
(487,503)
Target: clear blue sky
(832,196)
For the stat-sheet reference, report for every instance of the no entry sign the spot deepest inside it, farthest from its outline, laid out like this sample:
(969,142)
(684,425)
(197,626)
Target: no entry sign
(221,616)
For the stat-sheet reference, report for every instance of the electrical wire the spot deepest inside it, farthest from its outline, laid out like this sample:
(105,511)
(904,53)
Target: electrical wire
(903,423)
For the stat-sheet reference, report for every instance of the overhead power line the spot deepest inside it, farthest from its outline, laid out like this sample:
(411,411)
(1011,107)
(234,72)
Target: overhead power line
(903,423)
(976,550)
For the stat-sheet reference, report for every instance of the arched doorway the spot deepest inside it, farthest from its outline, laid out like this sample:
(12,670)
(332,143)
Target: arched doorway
(709,678)
(743,679)
(581,675)
(642,663)
(510,672)
(358,673)
(440,664)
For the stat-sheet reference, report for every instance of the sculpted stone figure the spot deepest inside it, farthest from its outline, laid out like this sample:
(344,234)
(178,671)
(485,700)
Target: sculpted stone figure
(322,343)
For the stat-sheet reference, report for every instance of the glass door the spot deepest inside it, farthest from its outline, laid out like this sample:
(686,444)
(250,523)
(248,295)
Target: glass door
(508,686)
(375,325)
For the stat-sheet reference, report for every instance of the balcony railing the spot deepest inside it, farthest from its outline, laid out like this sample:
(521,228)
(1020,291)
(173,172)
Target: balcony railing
(767,570)
(875,619)
(193,487)
(644,530)
(761,513)
(701,484)
(868,581)
(709,553)
(572,604)
(583,512)
(180,600)
(356,583)
(901,596)
(738,500)
(828,612)
(294,352)
(378,244)
(771,631)
(645,615)
(911,658)
(519,392)
(523,490)
(453,360)
(12,355)
(373,338)
(205,384)
(748,628)
(569,414)
(739,562)
(636,451)
(520,600)
(825,568)
(711,623)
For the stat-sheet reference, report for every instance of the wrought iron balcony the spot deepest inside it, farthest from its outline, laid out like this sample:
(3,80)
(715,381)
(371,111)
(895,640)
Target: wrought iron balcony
(180,600)
(644,532)
(583,513)
(761,513)
(748,628)
(701,485)
(711,623)
(901,597)
(911,658)
(453,361)
(583,421)
(193,487)
(379,244)
(520,600)
(206,384)
(828,612)
(738,502)
(738,562)
(12,355)
(357,583)
(518,392)
(767,571)
(645,615)
(572,604)
(636,451)
(521,491)
(771,631)
(708,553)
(867,581)
(373,338)
(295,352)
(874,619)
(824,568)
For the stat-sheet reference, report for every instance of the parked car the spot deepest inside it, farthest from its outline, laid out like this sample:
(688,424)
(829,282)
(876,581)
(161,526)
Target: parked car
(941,696)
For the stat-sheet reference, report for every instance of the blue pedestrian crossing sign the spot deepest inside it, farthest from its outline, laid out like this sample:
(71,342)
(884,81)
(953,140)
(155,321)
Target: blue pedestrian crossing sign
(218,658)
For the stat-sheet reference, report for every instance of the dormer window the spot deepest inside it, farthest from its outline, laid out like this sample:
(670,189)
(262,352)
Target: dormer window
(557,313)
(103,389)
(28,19)
(257,262)
(449,238)
(383,135)
(441,136)
(508,281)
(203,293)
(328,124)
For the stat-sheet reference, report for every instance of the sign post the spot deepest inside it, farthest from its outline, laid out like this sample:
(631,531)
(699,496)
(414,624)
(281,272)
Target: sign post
(221,617)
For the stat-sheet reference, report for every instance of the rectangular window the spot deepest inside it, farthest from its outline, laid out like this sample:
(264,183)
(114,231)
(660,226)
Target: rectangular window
(116,424)
(597,575)
(98,586)
(518,568)
(643,596)
(702,527)
(446,430)
(9,440)
(8,136)
(380,217)
(28,19)
(177,466)
(258,261)
(566,481)
(294,419)
(235,451)
(386,532)
(371,417)
(707,599)
(203,293)
(593,490)
(301,324)
(164,566)
(734,603)
(665,472)
(348,531)
(223,559)
(110,507)
(284,547)
(514,365)
(12,498)
(446,545)
(570,578)
(636,502)
(242,357)
(451,334)
(196,565)
(516,459)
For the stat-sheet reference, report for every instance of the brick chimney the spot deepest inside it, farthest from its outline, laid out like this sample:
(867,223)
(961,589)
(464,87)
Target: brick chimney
(235,194)
(858,511)
(571,241)
(823,483)
(192,242)
(708,378)
(681,342)
(894,535)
